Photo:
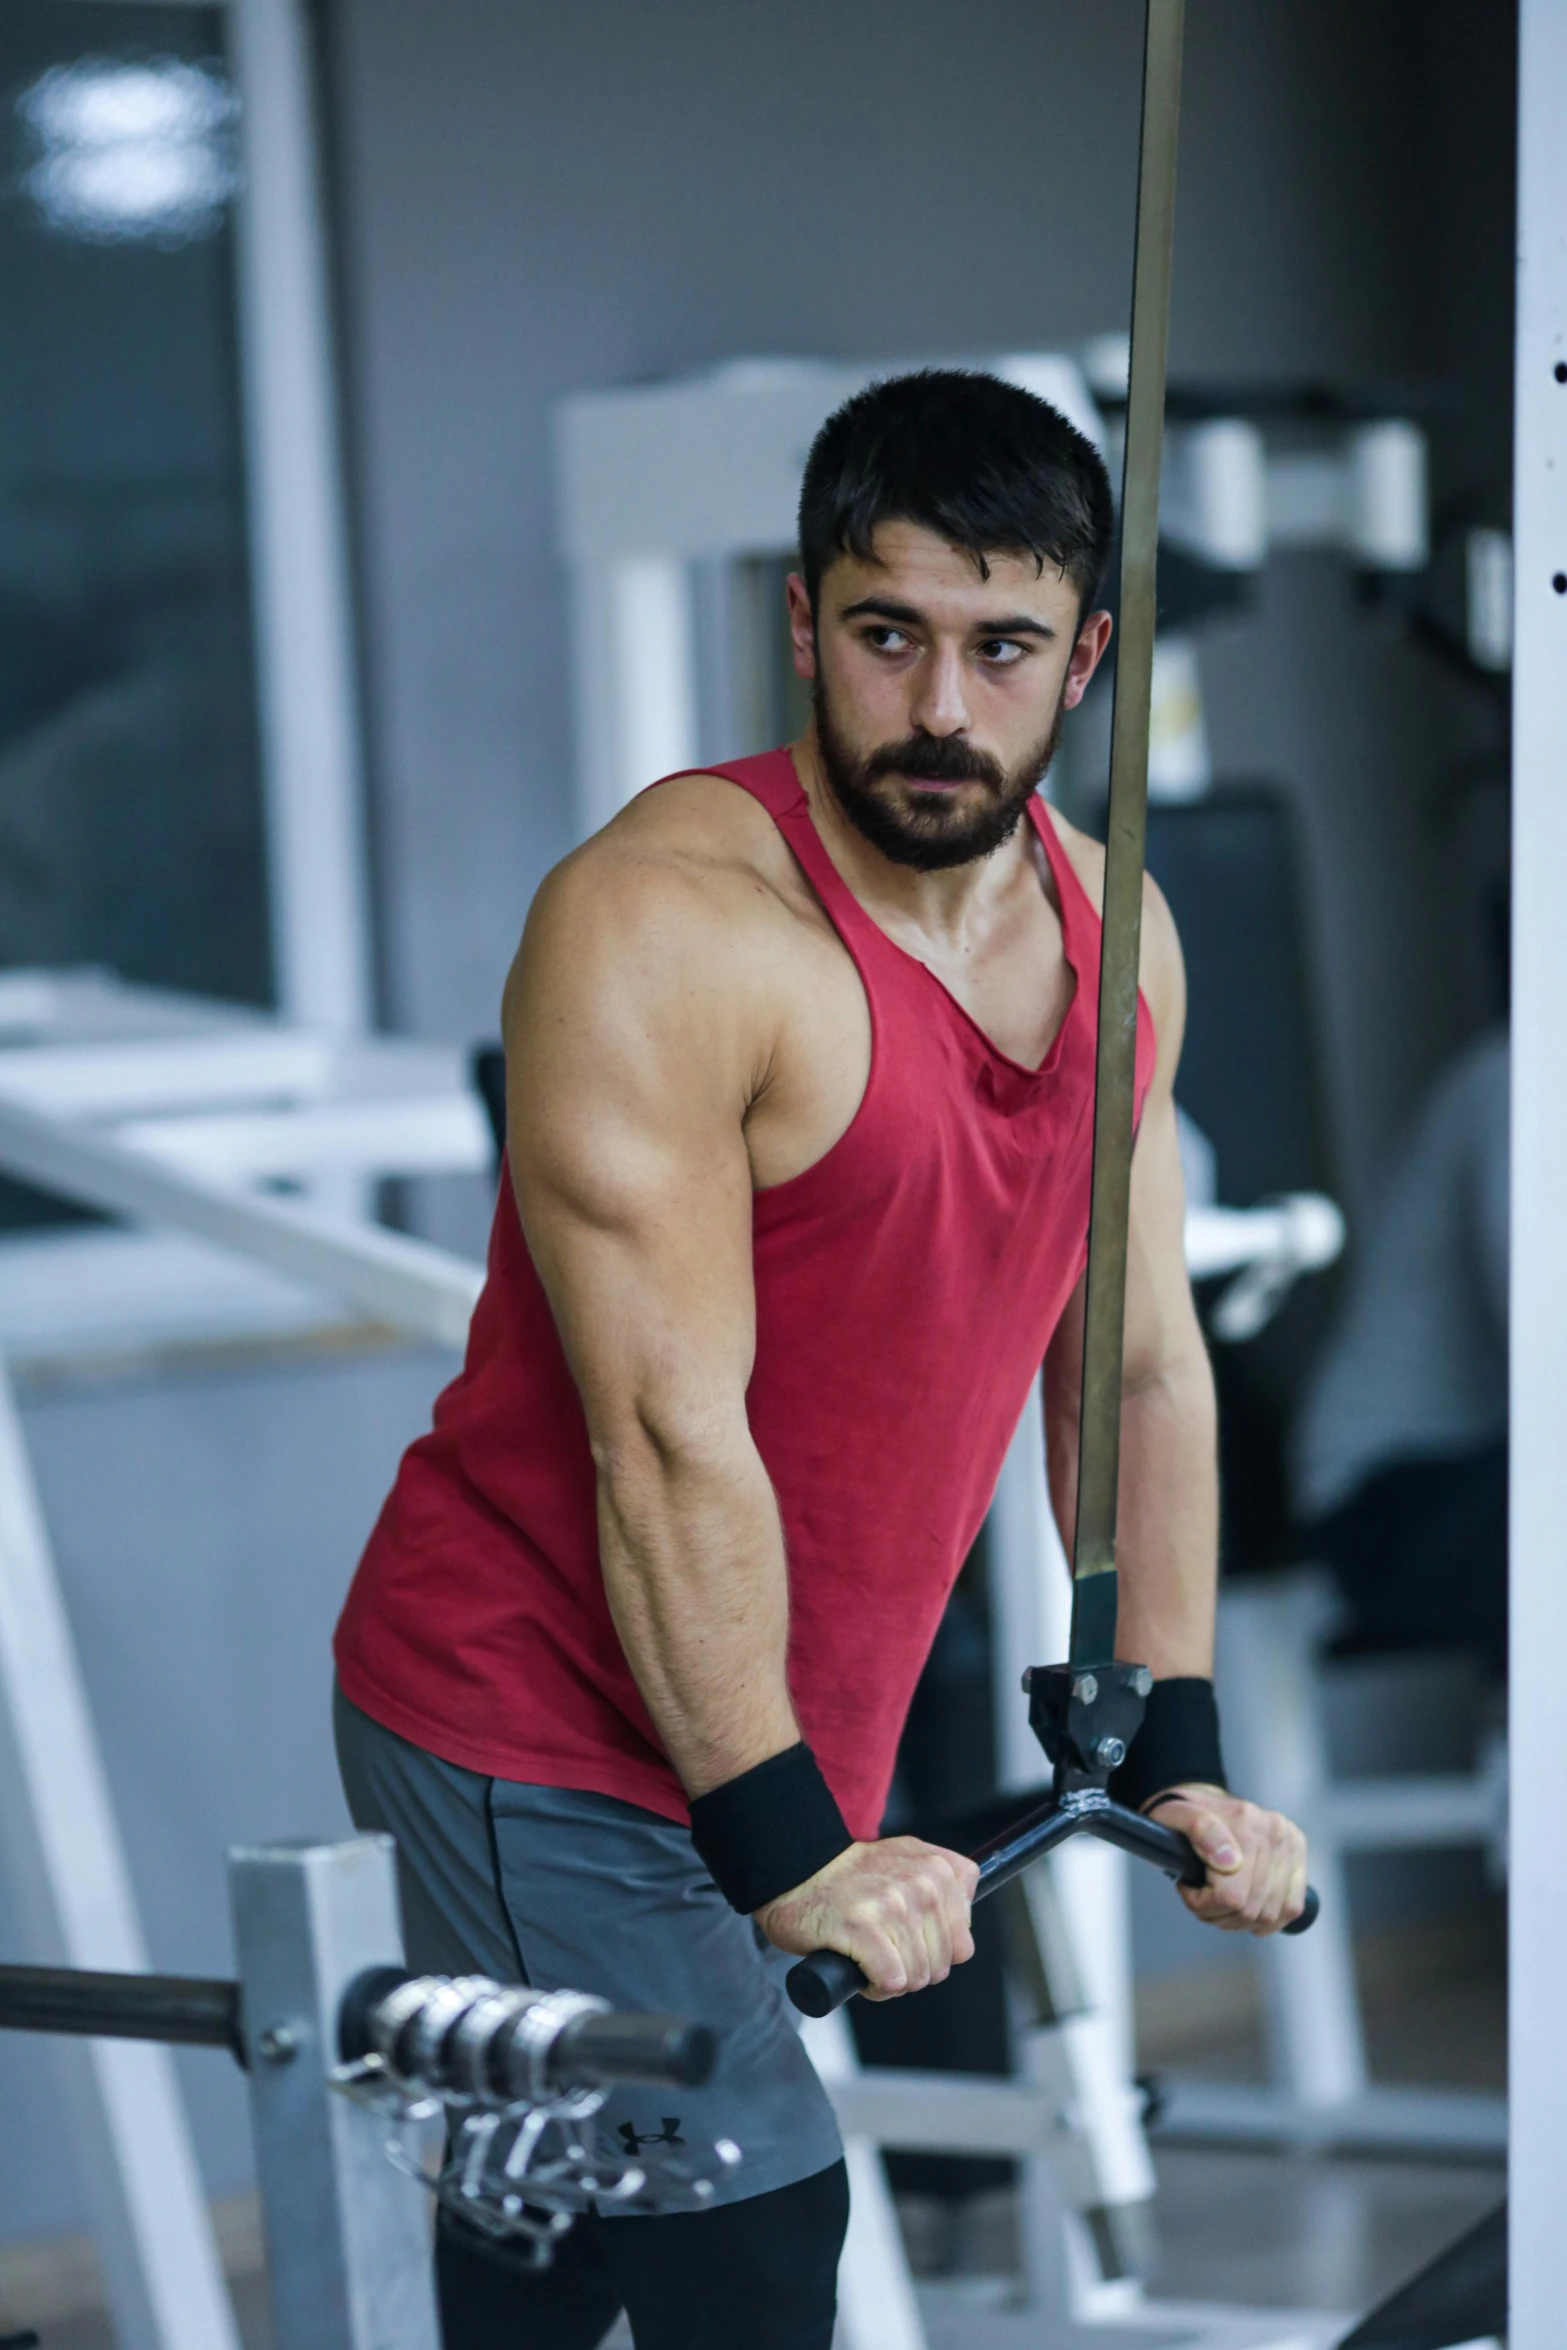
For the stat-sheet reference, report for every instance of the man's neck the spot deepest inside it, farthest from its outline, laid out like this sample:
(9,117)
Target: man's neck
(948,904)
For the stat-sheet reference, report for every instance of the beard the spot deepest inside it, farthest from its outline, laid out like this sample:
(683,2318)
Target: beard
(930,830)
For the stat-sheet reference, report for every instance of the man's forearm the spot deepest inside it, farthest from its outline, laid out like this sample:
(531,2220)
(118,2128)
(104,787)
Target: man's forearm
(694,1568)
(1168,1514)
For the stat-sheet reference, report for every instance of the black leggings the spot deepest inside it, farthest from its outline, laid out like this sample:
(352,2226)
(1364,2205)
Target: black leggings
(762,2273)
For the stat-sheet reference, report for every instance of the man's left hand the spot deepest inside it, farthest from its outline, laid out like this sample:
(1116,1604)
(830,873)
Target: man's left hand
(1256,1859)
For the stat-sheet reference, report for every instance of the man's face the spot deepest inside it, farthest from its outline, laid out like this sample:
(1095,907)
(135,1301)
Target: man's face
(939,694)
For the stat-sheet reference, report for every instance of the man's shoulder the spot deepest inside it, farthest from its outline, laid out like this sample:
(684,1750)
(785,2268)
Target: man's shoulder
(696,866)
(699,822)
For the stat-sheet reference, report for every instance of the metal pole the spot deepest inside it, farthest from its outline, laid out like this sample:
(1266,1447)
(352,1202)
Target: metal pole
(1099,1456)
(1538,1317)
(69,1886)
(390,1275)
(188,2011)
(299,538)
(347,2235)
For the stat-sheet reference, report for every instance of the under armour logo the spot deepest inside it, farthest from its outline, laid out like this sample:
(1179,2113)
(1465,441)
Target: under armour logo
(634,2141)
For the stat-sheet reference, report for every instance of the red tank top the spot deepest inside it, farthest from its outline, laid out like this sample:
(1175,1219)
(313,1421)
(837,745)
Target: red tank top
(907,1286)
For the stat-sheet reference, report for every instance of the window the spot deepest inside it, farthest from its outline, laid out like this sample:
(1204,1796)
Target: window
(132,819)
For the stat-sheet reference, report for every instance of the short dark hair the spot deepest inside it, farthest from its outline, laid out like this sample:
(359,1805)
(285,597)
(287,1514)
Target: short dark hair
(983,463)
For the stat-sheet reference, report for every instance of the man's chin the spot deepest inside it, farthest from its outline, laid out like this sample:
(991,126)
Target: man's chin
(934,839)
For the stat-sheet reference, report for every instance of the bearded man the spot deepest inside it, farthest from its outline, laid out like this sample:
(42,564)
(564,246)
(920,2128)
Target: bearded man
(799,1075)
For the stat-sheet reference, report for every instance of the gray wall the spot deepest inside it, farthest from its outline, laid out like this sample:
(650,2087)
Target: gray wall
(536,200)
(205,1526)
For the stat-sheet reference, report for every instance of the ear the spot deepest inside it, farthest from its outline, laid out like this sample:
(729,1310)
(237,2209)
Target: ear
(1087,653)
(802,628)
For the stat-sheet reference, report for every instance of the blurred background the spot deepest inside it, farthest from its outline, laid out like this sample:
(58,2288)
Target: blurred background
(324,330)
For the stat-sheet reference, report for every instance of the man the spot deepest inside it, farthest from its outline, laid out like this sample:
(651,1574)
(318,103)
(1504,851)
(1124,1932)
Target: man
(799,1075)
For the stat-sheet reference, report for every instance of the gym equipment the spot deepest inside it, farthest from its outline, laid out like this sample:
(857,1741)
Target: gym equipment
(1085,1720)
(1273,1685)
(346,2052)
(1457,2302)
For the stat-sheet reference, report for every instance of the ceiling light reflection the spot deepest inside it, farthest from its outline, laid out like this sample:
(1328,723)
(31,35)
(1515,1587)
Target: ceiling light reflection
(124,151)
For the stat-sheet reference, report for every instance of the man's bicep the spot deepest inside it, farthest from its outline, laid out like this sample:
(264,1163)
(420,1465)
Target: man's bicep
(625,1104)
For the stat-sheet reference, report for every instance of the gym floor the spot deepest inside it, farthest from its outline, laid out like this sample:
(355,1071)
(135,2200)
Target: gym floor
(1266,2231)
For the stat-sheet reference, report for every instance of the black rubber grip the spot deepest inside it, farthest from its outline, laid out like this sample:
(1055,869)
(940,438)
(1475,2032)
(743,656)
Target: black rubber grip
(1309,1915)
(823,1982)
(667,2050)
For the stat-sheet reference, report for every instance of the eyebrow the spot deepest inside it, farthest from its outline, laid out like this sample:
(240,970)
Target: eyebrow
(907,616)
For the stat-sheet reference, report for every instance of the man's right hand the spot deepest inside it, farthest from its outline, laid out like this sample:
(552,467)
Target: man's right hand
(899,1908)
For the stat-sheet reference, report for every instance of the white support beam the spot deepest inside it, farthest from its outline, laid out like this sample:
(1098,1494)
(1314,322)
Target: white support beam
(67,1876)
(1538,1717)
(1274,1743)
(385,1274)
(439,1134)
(876,2305)
(304,629)
(153,1075)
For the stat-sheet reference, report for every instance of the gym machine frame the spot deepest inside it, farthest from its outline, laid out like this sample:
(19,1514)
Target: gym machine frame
(1087,1712)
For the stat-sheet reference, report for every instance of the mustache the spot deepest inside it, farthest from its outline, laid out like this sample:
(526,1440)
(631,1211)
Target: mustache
(935,758)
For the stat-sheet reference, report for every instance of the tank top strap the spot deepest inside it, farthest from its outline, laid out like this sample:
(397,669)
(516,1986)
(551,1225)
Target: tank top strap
(1079,914)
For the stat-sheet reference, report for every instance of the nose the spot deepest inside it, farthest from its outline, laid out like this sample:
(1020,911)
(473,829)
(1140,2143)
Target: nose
(940,707)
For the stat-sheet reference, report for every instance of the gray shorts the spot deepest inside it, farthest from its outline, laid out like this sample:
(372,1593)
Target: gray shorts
(572,1891)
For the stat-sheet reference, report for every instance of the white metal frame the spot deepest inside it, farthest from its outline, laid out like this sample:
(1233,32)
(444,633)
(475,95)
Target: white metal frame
(66,1869)
(299,544)
(170,1111)
(1538,2012)
(656,481)
(301,574)
(1271,1634)
(160,2259)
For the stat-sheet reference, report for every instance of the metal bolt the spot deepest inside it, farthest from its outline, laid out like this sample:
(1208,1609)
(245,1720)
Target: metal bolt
(277,2044)
(1085,1689)
(1028,1679)
(1110,1753)
(1142,1681)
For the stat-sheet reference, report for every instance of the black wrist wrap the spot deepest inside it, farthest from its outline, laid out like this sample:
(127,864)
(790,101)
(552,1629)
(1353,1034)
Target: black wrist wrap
(1178,1743)
(768,1830)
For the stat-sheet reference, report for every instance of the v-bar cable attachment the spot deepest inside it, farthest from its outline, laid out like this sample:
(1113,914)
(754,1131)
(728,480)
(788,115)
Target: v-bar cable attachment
(1085,1721)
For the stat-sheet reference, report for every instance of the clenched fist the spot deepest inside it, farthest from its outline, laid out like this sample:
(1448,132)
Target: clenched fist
(899,1908)
(1256,1859)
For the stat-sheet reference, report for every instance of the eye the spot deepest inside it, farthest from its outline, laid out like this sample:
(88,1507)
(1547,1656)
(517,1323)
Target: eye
(882,637)
(1002,652)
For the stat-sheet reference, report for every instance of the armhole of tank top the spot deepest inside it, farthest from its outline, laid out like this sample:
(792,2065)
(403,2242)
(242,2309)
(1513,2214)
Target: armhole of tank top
(788,819)
(849,941)
(1070,885)
(1074,897)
